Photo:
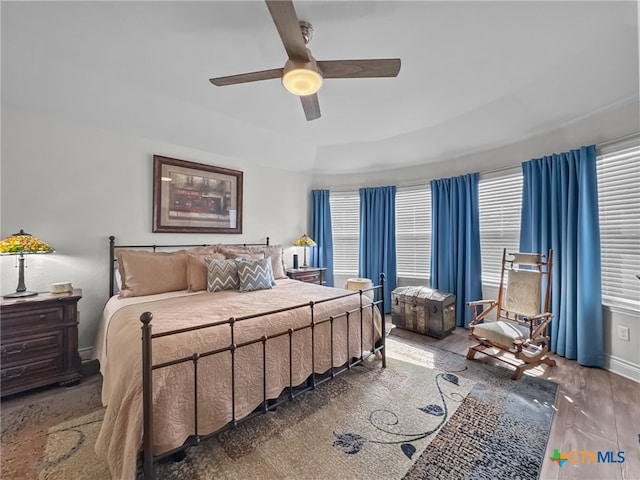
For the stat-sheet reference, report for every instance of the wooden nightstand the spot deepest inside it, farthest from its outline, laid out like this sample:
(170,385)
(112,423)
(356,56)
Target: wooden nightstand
(308,274)
(39,341)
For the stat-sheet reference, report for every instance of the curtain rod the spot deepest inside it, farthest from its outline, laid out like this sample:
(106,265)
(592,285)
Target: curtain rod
(351,188)
(599,146)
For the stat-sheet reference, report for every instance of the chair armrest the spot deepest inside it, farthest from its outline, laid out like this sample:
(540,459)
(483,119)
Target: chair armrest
(538,326)
(478,317)
(478,303)
(539,316)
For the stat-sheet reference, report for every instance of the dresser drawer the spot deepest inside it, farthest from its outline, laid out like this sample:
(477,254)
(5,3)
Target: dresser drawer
(23,349)
(309,277)
(30,375)
(32,318)
(307,274)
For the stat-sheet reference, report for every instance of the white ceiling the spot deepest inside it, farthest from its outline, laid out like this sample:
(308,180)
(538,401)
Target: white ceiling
(475,75)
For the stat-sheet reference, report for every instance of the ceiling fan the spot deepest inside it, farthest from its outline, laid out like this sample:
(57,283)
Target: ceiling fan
(302,74)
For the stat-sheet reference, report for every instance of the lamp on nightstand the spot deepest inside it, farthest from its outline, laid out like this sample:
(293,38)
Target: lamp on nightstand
(304,241)
(22,244)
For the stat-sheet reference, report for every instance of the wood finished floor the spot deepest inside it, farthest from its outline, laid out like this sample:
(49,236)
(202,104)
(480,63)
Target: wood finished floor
(596,410)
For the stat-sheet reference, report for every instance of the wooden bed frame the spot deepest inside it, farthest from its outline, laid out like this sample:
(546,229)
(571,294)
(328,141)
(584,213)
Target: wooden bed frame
(293,391)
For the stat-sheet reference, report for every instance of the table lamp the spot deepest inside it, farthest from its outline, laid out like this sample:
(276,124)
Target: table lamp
(304,241)
(22,244)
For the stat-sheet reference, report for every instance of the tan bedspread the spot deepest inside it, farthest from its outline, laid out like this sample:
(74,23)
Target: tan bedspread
(120,438)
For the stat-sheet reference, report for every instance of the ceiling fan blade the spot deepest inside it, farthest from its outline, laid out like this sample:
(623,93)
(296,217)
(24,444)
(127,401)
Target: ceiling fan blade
(384,67)
(247,77)
(286,20)
(311,106)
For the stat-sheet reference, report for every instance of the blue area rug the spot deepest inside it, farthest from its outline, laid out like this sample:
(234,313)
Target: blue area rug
(499,432)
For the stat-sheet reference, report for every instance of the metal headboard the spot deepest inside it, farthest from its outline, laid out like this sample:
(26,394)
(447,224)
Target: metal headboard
(113,247)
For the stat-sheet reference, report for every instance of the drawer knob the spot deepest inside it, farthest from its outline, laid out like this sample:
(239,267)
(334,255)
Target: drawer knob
(42,315)
(14,375)
(6,351)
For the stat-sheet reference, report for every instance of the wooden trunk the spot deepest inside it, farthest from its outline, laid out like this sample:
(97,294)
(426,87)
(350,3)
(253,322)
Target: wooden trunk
(424,310)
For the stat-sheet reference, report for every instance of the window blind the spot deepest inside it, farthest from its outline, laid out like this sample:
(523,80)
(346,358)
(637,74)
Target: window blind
(345,223)
(413,231)
(619,209)
(500,199)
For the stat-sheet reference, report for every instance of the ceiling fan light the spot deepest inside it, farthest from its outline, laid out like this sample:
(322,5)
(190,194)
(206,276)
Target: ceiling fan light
(302,81)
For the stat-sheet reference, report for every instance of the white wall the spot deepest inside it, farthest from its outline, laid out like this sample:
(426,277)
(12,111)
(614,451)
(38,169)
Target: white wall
(73,186)
(622,357)
(597,128)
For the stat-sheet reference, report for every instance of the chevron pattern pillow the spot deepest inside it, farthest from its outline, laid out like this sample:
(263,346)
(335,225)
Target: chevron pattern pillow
(221,275)
(255,274)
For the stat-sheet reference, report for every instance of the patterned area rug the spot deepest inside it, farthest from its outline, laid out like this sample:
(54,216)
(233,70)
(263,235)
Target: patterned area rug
(430,414)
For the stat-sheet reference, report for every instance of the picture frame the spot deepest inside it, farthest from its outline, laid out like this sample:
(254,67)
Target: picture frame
(190,197)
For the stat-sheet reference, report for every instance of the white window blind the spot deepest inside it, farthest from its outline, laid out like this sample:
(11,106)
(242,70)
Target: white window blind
(413,231)
(345,223)
(500,198)
(619,205)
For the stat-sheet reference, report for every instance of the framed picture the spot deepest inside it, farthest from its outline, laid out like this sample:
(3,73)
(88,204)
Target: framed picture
(193,197)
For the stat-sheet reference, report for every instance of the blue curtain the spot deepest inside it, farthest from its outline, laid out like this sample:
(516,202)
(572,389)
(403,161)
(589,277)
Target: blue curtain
(322,254)
(378,237)
(560,211)
(455,241)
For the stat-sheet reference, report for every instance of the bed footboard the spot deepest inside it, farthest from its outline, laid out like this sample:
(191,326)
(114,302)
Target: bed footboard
(294,390)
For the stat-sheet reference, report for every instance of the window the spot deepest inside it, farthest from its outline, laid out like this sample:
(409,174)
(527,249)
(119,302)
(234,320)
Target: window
(345,223)
(500,197)
(619,204)
(413,231)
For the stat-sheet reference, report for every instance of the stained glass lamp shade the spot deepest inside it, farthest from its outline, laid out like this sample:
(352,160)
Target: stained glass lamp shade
(22,244)
(304,241)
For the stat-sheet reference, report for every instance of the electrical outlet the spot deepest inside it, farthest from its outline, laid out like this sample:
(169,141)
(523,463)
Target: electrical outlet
(623,333)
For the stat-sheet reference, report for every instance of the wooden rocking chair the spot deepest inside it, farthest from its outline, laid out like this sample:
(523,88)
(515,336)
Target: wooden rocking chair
(522,314)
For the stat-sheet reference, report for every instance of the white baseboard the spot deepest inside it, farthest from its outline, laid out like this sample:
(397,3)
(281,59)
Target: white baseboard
(86,354)
(622,367)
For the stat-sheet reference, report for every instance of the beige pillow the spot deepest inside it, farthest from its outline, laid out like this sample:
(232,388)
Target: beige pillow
(146,273)
(277,260)
(197,269)
(273,251)
(232,251)
(204,249)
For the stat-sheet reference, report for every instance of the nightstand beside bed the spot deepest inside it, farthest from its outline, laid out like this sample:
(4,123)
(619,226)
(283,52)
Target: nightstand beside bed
(307,274)
(39,341)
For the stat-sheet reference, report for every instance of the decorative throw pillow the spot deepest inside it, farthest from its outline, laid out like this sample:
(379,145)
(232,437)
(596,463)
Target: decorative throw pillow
(274,251)
(255,274)
(197,269)
(221,275)
(273,277)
